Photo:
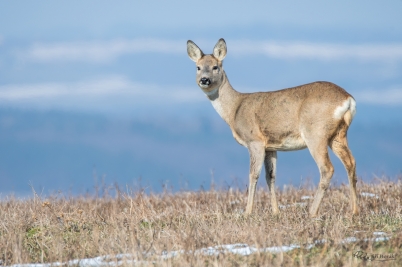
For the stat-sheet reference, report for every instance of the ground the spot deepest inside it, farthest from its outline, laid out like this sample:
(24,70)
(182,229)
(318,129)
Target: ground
(173,229)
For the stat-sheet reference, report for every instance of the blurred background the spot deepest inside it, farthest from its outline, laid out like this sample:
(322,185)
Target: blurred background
(102,92)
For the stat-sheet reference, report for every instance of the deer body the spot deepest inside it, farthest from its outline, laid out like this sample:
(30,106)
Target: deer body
(313,116)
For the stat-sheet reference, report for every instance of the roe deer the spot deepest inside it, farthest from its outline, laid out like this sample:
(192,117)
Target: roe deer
(315,115)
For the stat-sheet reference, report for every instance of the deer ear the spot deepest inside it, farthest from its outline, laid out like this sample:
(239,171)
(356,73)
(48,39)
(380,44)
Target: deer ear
(193,51)
(220,49)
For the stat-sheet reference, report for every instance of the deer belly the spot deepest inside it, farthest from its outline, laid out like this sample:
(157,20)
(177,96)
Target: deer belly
(286,143)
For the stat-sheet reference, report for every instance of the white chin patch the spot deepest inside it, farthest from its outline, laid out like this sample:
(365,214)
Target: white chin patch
(203,86)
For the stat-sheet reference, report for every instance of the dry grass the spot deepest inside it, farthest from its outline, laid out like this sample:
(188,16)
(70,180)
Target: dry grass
(61,228)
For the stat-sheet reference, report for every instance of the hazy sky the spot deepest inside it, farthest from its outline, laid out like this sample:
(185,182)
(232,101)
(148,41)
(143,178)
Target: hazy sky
(103,19)
(128,60)
(66,54)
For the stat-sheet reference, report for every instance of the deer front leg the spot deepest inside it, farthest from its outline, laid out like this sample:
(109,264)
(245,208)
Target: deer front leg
(270,174)
(257,154)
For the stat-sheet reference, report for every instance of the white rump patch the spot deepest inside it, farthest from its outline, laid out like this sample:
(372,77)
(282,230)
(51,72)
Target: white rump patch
(349,104)
(352,107)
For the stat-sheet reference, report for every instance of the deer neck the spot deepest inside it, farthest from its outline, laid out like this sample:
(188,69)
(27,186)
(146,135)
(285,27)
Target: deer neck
(224,99)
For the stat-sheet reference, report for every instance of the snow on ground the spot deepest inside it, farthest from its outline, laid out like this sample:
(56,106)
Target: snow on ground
(365,194)
(239,249)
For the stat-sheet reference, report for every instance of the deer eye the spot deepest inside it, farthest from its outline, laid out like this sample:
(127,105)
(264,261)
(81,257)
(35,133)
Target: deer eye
(215,68)
(198,68)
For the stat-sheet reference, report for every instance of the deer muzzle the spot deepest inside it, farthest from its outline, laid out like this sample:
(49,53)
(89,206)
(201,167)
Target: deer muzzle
(205,81)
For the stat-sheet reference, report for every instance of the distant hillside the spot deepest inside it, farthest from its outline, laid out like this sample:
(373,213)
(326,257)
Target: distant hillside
(71,151)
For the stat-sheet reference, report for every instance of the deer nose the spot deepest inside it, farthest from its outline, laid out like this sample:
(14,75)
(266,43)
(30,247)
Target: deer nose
(206,81)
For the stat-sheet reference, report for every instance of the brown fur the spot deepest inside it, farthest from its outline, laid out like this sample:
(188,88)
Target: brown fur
(315,115)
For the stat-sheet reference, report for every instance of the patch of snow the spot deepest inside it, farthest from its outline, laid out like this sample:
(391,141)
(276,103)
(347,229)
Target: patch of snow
(349,240)
(238,249)
(381,239)
(279,249)
(171,254)
(365,194)
(306,197)
(379,233)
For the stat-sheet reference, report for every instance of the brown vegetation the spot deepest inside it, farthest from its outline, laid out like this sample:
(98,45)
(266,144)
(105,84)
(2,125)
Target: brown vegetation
(62,228)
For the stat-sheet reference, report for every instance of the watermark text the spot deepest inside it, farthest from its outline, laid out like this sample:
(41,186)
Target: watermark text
(374,257)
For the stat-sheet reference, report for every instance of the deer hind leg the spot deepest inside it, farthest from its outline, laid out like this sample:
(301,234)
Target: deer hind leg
(340,147)
(257,153)
(270,174)
(319,151)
